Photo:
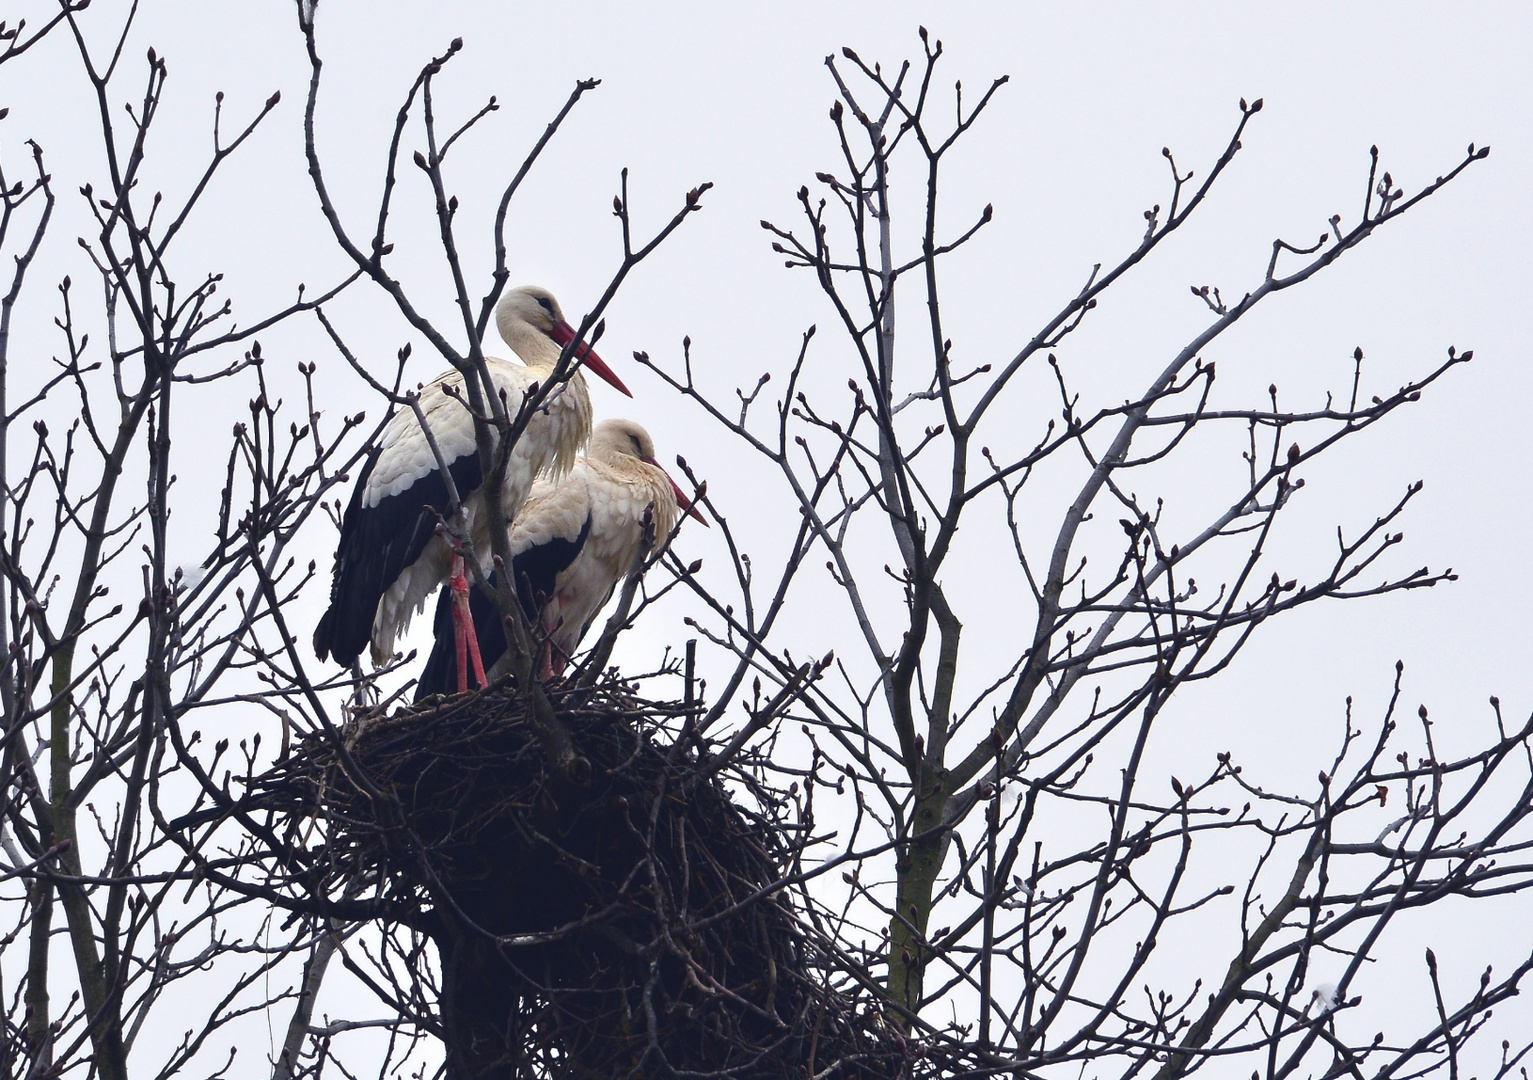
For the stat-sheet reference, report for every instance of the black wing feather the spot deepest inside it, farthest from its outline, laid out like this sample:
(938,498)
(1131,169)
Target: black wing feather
(537,568)
(377,542)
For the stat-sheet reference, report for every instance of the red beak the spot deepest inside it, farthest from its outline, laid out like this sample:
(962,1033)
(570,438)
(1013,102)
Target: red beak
(564,333)
(681,496)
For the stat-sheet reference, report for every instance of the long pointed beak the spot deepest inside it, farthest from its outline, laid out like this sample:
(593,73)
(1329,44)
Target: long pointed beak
(681,496)
(564,333)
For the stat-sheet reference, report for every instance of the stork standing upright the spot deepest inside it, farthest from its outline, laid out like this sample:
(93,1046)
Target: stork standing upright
(391,555)
(574,540)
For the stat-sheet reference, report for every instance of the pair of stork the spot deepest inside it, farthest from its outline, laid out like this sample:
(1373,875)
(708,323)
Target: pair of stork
(577,523)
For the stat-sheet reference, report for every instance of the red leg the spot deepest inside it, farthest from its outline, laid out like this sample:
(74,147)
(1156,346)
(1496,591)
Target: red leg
(551,658)
(464,637)
(473,651)
(459,586)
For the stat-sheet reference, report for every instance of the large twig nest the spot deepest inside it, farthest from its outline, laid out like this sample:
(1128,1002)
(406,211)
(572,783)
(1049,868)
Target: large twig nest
(621,927)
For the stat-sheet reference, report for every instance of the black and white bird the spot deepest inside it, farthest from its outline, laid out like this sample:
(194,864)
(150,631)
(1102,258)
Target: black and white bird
(573,542)
(392,556)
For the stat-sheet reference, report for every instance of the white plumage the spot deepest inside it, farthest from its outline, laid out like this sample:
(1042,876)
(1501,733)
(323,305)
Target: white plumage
(573,542)
(390,558)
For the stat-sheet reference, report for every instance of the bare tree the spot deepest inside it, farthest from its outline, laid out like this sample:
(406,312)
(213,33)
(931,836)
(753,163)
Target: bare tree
(139,886)
(1042,942)
(1000,867)
(96,691)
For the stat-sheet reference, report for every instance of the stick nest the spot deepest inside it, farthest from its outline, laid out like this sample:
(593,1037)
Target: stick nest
(624,926)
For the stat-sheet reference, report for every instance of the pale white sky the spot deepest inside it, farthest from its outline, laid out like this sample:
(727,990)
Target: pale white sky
(1069,155)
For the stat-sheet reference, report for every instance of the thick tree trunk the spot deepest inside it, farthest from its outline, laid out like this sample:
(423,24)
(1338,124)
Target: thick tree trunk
(918,869)
(478,1004)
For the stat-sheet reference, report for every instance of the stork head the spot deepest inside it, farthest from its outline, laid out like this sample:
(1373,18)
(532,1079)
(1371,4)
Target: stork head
(624,438)
(529,315)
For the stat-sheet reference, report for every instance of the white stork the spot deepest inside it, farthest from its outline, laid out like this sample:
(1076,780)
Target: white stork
(391,556)
(574,540)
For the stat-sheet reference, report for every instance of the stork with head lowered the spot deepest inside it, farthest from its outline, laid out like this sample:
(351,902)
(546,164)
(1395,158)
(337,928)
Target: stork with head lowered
(573,542)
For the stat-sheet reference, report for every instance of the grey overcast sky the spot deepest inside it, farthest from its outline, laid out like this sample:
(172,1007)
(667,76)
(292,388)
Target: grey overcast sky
(1070,156)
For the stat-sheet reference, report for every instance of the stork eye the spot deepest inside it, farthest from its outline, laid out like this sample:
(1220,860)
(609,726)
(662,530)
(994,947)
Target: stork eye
(546,304)
(638,447)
